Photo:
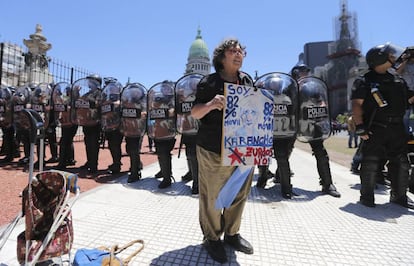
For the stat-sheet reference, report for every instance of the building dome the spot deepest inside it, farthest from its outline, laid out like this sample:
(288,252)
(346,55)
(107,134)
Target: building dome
(198,48)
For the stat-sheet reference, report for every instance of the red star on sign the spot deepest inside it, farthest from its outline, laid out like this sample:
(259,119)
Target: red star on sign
(236,156)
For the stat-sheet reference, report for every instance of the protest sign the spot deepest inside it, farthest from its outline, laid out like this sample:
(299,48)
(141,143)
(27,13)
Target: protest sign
(247,126)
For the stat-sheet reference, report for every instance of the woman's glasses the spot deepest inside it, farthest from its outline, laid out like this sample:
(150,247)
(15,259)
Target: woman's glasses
(235,51)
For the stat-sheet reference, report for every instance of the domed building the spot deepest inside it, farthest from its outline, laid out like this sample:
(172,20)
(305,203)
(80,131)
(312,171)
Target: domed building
(198,60)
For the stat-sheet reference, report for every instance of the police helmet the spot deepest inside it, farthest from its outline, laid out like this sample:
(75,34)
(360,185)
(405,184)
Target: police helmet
(274,84)
(137,94)
(38,92)
(68,90)
(108,80)
(5,93)
(298,69)
(380,54)
(32,86)
(95,77)
(12,89)
(310,90)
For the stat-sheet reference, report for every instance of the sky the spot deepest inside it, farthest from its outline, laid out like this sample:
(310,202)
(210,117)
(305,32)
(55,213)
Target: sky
(148,41)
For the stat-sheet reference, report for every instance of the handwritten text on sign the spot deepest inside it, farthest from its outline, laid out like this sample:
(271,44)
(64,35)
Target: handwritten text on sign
(247,126)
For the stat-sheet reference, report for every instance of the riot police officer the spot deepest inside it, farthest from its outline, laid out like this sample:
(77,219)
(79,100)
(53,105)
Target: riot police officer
(86,94)
(9,145)
(284,90)
(21,100)
(162,127)
(41,103)
(110,121)
(379,101)
(311,92)
(185,90)
(63,112)
(133,125)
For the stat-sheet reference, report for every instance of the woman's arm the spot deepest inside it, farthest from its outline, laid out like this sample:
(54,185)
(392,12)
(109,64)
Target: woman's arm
(201,109)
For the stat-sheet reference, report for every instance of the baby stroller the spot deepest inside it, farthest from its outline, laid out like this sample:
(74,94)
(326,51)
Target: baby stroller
(46,207)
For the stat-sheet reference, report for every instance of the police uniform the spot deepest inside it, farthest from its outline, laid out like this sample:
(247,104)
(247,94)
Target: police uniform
(20,101)
(87,111)
(388,137)
(114,138)
(63,116)
(110,120)
(9,146)
(284,90)
(50,135)
(314,124)
(66,148)
(162,127)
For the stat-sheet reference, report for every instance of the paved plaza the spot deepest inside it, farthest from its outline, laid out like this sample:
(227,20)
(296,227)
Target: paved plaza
(310,229)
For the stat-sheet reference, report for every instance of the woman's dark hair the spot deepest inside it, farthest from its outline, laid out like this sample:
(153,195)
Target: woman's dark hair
(218,53)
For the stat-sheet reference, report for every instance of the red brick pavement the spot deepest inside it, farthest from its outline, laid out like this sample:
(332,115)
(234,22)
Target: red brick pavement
(14,178)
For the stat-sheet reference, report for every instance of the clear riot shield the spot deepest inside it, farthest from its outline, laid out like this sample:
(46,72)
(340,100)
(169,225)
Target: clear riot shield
(21,100)
(86,95)
(133,110)
(284,90)
(161,111)
(314,118)
(62,104)
(185,90)
(6,113)
(111,106)
(41,101)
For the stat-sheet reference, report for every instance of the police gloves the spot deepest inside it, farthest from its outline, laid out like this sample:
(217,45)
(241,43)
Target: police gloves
(360,130)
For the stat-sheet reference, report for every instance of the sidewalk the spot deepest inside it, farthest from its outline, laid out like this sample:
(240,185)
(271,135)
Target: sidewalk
(310,229)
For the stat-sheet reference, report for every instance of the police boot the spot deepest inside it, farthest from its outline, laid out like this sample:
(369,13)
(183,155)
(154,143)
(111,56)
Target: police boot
(188,176)
(54,153)
(262,180)
(71,156)
(165,165)
(276,178)
(63,157)
(16,151)
(194,175)
(369,170)
(398,168)
(355,168)
(325,174)
(135,173)
(285,181)
(114,168)
(9,152)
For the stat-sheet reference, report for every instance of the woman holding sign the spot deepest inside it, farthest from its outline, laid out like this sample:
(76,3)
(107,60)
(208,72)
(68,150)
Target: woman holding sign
(208,108)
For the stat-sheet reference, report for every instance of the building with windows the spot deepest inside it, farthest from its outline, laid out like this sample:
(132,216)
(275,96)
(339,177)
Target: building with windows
(337,62)
(12,64)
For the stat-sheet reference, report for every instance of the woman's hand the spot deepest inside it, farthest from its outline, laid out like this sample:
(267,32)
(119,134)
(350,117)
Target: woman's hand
(218,102)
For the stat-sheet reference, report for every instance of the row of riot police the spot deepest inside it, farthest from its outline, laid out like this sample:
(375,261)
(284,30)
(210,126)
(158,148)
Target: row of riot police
(130,112)
(105,106)
(300,112)
(16,125)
